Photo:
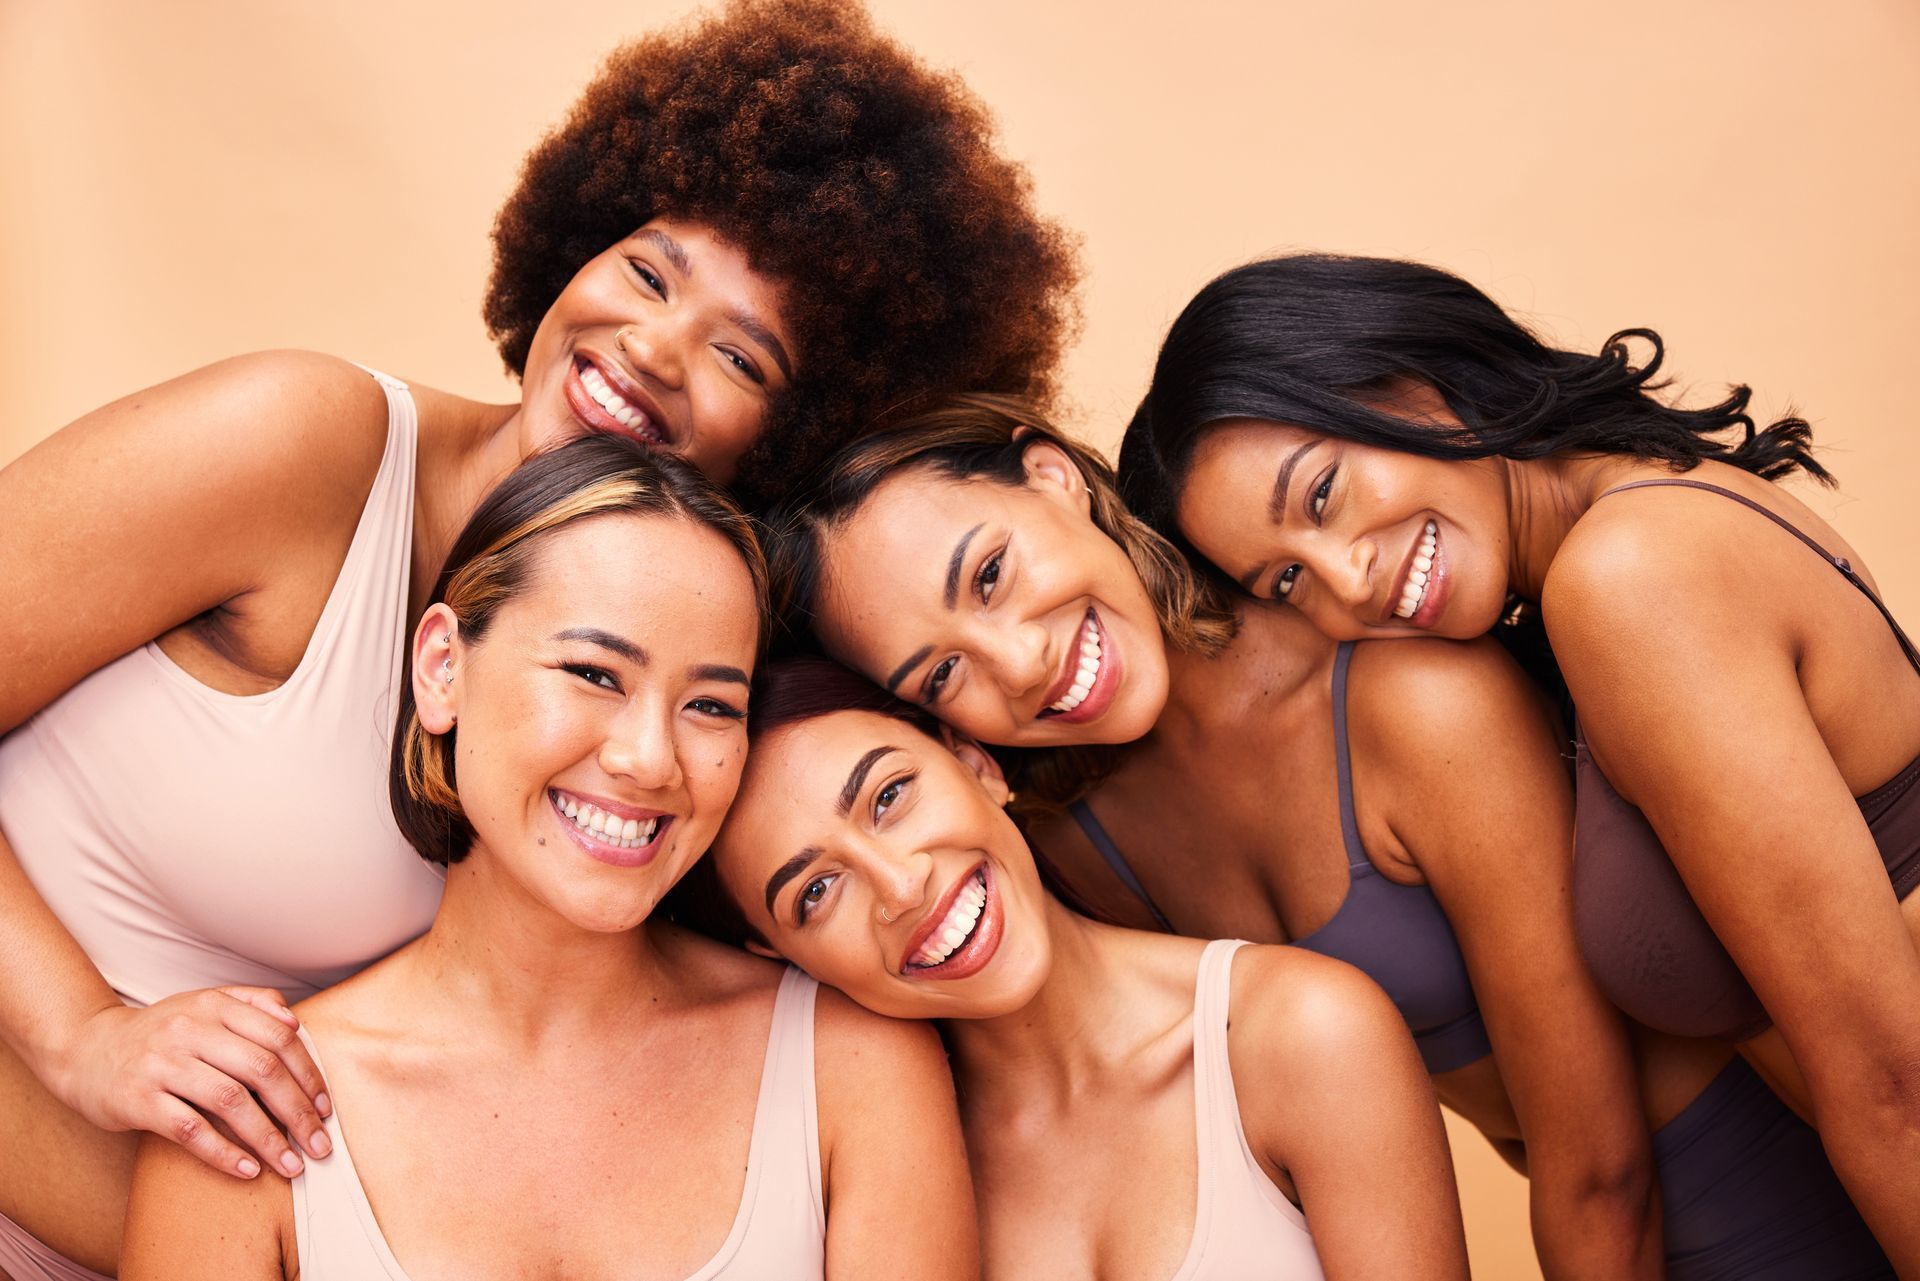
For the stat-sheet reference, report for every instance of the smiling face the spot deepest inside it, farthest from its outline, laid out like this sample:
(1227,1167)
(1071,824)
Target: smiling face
(601,720)
(667,336)
(1002,608)
(1366,542)
(880,861)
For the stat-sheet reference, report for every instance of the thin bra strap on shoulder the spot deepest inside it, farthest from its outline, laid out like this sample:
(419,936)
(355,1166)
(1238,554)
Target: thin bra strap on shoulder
(1840,563)
(1083,815)
(1357,860)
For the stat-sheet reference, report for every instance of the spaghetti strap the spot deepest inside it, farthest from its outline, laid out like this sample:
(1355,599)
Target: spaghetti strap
(1095,832)
(1357,860)
(1840,563)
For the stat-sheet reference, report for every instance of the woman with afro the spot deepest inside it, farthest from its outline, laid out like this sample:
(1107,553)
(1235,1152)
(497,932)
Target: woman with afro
(754,235)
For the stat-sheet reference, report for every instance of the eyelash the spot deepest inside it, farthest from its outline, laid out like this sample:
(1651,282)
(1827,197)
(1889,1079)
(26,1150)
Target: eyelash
(896,786)
(715,707)
(937,680)
(648,276)
(988,575)
(596,676)
(803,906)
(1317,504)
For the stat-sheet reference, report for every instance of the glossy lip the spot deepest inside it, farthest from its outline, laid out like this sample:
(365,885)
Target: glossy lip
(1436,593)
(614,855)
(980,945)
(1105,685)
(652,431)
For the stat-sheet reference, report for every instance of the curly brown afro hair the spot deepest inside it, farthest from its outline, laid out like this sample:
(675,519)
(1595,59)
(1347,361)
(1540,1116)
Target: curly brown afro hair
(866,184)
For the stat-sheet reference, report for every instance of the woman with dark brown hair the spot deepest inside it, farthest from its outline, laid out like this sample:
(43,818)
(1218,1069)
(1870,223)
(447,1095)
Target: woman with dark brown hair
(753,232)
(573,732)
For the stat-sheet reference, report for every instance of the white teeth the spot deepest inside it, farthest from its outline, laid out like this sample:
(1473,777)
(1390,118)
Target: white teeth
(609,399)
(954,931)
(1087,671)
(627,833)
(1415,590)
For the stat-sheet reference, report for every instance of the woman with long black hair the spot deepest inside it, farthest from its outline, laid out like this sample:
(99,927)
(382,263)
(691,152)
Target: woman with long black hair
(1379,445)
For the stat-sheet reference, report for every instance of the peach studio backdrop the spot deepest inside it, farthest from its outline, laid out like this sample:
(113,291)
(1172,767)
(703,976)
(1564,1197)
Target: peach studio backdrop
(184,181)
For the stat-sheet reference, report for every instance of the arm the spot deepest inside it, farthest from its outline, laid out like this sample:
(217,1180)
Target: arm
(1346,1111)
(1466,764)
(186,1221)
(899,1198)
(131,521)
(1683,654)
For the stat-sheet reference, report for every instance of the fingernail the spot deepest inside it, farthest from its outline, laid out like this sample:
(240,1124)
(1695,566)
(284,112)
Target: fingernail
(248,1167)
(323,1103)
(290,1162)
(319,1144)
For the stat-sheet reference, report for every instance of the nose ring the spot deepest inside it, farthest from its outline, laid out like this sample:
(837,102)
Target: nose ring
(620,337)
(888,919)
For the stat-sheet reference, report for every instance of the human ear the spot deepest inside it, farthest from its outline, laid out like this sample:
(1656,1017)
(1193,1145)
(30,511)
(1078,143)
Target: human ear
(980,761)
(1054,473)
(436,645)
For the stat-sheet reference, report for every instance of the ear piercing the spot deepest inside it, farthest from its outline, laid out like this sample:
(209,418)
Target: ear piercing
(446,664)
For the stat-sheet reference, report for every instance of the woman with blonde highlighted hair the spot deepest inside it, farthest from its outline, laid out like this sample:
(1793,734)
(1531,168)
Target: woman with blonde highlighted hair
(574,731)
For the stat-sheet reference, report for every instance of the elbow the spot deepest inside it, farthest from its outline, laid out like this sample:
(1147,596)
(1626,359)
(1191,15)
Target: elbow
(1613,1181)
(1880,1096)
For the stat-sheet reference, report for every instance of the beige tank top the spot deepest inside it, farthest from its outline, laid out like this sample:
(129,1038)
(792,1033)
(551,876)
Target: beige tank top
(1243,1226)
(779,1231)
(189,838)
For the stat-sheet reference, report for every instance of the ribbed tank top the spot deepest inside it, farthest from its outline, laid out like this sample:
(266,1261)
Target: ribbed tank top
(1243,1226)
(190,838)
(780,1229)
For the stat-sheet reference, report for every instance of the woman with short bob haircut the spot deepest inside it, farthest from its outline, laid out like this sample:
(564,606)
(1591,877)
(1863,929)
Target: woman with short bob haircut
(1230,772)
(1118,1123)
(752,232)
(548,1078)
(1379,445)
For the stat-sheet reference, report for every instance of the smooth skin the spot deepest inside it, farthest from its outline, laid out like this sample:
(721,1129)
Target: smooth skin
(1732,685)
(1492,837)
(230,585)
(543,991)
(1073,1045)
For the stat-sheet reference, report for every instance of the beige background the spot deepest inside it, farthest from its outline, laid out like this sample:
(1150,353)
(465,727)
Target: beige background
(183,181)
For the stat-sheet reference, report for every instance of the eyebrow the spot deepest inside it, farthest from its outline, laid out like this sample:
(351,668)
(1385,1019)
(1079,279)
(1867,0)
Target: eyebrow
(1277,504)
(857,777)
(958,559)
(914,660)
(752,328)
(670,248)
(607,640)
(721,672)
(787,871)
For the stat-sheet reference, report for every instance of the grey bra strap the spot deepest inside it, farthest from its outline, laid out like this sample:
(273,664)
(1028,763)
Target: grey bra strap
(1357,860)
(1083,815)
(1838,562)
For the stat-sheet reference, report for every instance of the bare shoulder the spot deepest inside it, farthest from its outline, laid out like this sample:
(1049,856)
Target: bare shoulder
(1301,1014)
(851,1043)
(1428,692)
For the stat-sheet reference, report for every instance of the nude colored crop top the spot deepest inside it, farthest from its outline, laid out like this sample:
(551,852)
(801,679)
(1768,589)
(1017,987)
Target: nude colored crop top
(1649,948)
(189,838)
(780,1229)
(1397,935)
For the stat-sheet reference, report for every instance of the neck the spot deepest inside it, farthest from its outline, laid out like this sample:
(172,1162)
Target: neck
(1075,1027)
(1273,656)
(458,468)
(512,965)
(1545,497)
